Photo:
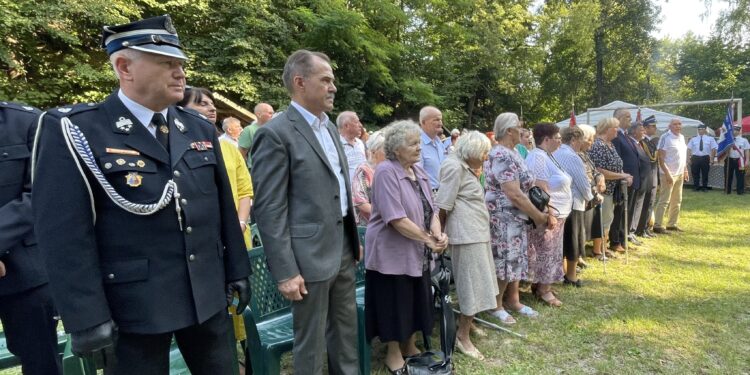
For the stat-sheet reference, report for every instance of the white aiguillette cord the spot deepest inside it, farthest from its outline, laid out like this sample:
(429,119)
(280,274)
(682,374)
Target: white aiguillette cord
(77,144)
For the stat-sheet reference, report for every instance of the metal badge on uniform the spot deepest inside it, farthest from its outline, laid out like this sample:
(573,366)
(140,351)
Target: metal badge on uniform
(28,108)
(120,161)
(124,124)
(140,163)
(64,110)
(133,179)
(180,126)
(164,129)
(202,146)
(107,165)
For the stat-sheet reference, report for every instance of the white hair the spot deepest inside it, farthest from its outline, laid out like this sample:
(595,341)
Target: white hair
(343,118)
(127,53)
(473,146)
(426,112)
(503,122)
(229,121)
(395,136)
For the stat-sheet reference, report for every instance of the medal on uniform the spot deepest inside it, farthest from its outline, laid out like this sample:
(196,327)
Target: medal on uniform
(164,129)
(107,165)
(133,179)
(120,161)
(140,163)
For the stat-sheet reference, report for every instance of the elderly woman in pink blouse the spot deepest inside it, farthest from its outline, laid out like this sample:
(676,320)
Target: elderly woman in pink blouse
(403,232)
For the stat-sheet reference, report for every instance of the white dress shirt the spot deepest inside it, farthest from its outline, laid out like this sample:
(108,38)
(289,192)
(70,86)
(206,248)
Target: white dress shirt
(141,113)
(318,125)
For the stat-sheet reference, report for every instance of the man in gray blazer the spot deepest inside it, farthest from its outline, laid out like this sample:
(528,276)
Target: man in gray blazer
(305,217)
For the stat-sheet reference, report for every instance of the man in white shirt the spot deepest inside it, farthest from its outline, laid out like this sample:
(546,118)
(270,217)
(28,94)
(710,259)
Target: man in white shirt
(701,154)
(672,158)
(232,129)
(433,149)
(349,130)
(739,156)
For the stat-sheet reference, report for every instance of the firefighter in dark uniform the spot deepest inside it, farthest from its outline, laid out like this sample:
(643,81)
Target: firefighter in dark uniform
(135,217)
(26,308)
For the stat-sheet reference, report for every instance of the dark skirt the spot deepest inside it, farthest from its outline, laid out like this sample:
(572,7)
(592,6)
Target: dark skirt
(593,220)
(397,306)
(574,237)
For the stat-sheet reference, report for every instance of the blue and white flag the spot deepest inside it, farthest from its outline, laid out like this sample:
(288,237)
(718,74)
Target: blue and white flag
(726,140)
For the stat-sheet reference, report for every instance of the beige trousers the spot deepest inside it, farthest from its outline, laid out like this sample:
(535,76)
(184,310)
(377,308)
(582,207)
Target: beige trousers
(669,196)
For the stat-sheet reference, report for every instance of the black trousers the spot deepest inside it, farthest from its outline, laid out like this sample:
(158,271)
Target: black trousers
(649,202)
(733,170)
(205,347)
(617,229)
(699,167)
(31,330)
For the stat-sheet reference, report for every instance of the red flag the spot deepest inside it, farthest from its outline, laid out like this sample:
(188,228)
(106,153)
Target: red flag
(572,118)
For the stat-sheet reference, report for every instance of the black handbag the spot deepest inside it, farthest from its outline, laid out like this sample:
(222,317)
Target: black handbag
(540,199)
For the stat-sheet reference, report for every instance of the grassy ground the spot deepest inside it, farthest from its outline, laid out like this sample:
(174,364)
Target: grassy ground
(679,306)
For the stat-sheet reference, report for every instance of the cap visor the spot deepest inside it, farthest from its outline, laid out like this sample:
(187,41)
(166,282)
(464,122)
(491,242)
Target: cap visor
(161,50)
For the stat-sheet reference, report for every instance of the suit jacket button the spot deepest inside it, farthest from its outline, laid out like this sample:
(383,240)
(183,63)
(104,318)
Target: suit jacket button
(183,201)
(111,276)
(176,173)
(191,257)
(189,230)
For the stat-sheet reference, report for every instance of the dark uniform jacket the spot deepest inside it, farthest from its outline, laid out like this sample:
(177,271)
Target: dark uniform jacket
(18,251)
(626,148)
(143,272)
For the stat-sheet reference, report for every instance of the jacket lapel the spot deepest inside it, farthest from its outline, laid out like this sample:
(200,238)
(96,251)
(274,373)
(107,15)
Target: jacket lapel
(304,128)
(136,135)
(179,140)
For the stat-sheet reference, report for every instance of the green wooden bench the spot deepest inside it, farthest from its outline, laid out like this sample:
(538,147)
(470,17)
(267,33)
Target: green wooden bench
(268,320)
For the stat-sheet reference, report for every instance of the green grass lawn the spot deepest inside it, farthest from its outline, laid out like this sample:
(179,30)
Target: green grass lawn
(679,306)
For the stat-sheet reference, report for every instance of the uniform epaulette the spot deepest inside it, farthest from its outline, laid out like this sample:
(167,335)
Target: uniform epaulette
(20,107)
(69,110)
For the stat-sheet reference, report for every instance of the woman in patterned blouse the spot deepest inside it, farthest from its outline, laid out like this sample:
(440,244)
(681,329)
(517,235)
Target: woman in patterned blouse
(608,163)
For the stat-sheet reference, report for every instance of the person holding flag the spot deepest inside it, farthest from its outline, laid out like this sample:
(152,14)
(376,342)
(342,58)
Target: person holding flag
(734,150)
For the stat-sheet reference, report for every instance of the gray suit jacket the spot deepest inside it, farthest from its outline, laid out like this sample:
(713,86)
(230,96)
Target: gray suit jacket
(296,202)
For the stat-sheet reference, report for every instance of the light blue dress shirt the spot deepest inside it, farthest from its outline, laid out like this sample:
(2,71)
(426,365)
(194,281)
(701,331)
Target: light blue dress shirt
(433,154)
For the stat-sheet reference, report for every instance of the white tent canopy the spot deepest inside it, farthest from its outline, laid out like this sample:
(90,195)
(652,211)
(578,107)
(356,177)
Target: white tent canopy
(689,126)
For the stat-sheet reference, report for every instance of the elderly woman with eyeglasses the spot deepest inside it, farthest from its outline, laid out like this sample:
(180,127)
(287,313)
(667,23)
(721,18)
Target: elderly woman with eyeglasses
(507,198)
(545,249)
(403,232)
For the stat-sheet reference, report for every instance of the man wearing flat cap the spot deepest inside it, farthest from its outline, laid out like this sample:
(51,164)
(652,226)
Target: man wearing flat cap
(134,214)
(701,154)
(736,163)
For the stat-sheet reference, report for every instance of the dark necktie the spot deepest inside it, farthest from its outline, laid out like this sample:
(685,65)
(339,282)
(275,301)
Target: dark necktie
(162,130)
(701,145)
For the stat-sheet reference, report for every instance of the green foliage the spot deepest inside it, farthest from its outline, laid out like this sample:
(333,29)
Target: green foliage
(472,58)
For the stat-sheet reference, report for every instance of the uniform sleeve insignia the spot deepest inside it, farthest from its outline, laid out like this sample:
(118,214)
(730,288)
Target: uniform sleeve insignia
(180,126)
(124,124)
(202,146)
(64,109)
